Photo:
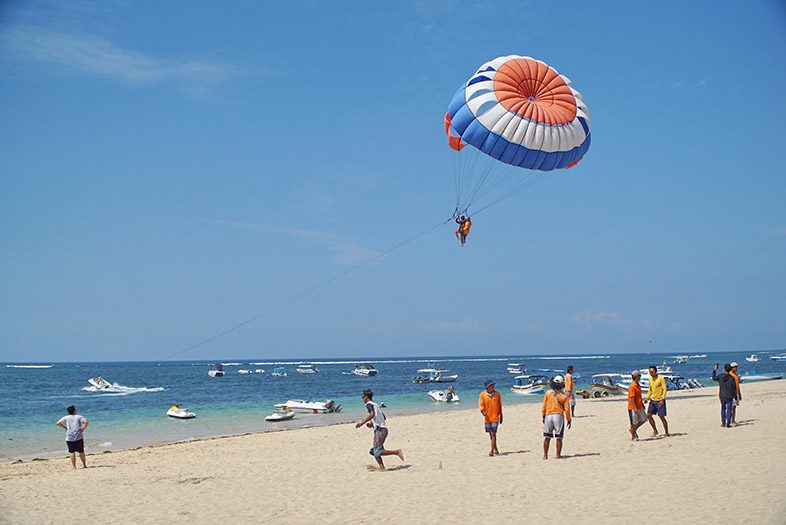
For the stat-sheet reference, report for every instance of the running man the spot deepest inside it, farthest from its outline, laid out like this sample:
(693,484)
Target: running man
(490,405)
(376,420)
(74,425)
(556,409)
(727,392)
(636,413)
(738,398)
(656,395)
(570,390)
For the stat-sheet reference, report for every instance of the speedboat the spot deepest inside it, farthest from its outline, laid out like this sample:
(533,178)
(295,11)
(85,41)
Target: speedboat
(753,358)
(434,375)
(516,368)
(217,370)
(530,384)
(607,384)
(179,413)
(280,416)
(365,369)
(278,372)
(679,359)
(259,371)
(310,407)
(779,357)
(444,396)
(306,369)
(100,383)
(754,377)
(245,372)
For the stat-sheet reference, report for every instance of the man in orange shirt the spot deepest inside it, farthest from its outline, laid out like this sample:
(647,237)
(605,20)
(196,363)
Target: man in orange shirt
(636,413)
(490,405)
(570,390)
(737,400)
(556,410)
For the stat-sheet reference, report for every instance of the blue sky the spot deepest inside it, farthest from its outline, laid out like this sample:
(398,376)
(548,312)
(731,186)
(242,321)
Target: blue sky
(168,170)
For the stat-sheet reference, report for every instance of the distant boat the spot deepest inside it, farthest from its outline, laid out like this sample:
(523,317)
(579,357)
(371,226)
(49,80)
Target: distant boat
(278,371)
(517,369)
(306,369)
(679,359)
(217,370)
(245,372)
(779,357)
(753,358)
(530,384)
(179,413)
(280,416)
(311,407)
(29,366)
(365,369)
(100,383)
(754,378)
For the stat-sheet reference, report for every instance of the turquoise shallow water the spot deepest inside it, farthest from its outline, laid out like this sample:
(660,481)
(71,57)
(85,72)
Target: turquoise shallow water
(35,398)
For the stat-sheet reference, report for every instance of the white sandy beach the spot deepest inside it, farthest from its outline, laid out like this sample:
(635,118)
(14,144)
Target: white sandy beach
(703,474)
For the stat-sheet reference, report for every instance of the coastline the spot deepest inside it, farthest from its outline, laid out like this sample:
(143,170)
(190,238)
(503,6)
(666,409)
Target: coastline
(323,473)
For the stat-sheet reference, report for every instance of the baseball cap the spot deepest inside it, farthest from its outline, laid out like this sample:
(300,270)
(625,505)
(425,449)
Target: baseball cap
(733,364)
(488,383)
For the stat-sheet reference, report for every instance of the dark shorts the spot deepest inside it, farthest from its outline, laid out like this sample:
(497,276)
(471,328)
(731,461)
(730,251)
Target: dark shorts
(76,446)
(378,446)
(491,427)
(657,407)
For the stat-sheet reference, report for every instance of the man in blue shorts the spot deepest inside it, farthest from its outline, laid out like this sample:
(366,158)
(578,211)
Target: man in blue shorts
(656,395)
(74,425)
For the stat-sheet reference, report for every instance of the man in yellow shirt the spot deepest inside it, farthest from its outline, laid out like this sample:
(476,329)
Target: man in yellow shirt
(490,405)
(656,395)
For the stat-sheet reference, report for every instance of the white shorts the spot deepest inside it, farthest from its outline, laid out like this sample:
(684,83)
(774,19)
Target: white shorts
(637,416)
(554,426)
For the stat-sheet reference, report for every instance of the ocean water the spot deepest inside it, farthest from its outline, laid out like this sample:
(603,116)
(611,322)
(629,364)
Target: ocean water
(34,398)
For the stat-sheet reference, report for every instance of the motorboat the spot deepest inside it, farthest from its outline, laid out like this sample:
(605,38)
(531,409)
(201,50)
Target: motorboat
(282,415)
(779,357)
(434,375)
(517,369)
(663,370)
(607,384)
(679,359)
(753,358)
(309,407)
(245,372)
(100,383)
(179,413)
(365,369)
(29,366)
(306,369)
(278,371)
(217,370)
(530,384)
(444,396)
(259,371)
(754,377)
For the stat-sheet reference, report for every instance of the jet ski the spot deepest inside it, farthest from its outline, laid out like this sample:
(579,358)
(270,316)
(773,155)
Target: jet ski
(280,416)
(444,396)
(179,413)
(100,383)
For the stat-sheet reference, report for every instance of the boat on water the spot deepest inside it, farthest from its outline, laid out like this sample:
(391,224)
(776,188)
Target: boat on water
(278,371)
(530,384)
(365,370)
(444,396)
(282,415)
(259,371)
(177,412)
(245,372)
(434,375)
(608,384)
(309,407)
(679,359)
(779,357)
(517,369)
(29,366)
(753,377)
(217,370)
(100,383)
(753,358)
(306,369)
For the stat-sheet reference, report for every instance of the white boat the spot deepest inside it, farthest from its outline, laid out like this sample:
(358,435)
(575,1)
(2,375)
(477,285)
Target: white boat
(259,371)
(753,358)
(244,372)
(754,378)
(179,413)
(444,396)
(29,366)
(311,407)
(779,357)
(365,369)
(530,384)
(100,383)
(679,359)
(217,370)
(517,369)
(608,384)
(280,416)
(306,369)
(278,372)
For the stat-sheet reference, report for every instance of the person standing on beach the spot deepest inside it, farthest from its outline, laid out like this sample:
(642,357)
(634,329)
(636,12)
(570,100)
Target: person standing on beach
(74,425)
(556,409)
(376,420)
(727,392)
(656,395)
(636,412)
(570,390)
(738,398)
(490,405)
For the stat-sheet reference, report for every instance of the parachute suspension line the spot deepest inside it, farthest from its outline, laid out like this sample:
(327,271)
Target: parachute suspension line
(518,187)
(300,294)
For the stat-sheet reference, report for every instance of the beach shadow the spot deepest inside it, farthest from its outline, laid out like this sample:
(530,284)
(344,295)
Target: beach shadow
(398,467)
(746,422)
(100,466)
(512,452)
(581,455)
(582,417)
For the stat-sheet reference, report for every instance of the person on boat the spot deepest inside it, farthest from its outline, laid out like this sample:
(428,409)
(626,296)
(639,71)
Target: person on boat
(490,405)
(74,425)
(636,413)
(570,390)
(376,420)
(727,392)
(656,395)
(737,399)
(465,223)
(449,393)
(555,411)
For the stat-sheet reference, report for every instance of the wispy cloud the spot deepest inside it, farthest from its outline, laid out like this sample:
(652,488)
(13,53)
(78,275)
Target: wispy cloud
(592,318)
(466,325)
(96,56)
(341,251)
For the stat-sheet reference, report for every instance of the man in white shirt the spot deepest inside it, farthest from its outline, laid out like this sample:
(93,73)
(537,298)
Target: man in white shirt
(376,420)
(74,425)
